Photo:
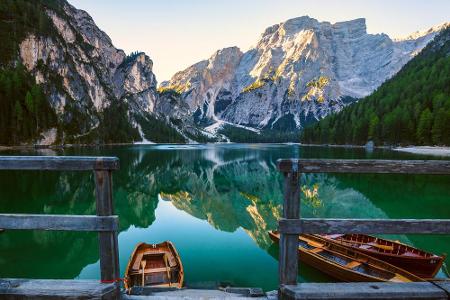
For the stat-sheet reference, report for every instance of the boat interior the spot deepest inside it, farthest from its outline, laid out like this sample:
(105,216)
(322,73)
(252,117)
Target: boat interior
(379,245)
(160,269)
(348,259)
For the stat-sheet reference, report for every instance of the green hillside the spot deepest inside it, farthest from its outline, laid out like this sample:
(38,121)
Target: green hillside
(413,107)
(24,109)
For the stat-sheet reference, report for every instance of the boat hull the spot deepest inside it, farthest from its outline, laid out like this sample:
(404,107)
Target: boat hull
(425,266)
(154,265)
(344,264)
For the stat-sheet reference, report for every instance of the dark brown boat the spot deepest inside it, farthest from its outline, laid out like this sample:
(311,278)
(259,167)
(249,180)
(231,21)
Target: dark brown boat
(155,265)
(420,263)
(345,264)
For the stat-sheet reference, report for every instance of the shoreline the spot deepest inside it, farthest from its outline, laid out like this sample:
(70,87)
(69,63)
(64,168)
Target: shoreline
(441,151)
(425,150)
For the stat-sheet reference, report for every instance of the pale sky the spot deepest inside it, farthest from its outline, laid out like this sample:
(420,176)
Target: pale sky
(178,33)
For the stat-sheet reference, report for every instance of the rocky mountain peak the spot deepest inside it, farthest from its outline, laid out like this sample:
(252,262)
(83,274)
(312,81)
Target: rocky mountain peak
(352,26)
(300,70)
(295,25)
(423,33)
(203,81)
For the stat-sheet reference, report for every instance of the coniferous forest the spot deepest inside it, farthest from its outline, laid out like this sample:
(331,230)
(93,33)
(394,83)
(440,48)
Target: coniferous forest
(24,108)
(413,107)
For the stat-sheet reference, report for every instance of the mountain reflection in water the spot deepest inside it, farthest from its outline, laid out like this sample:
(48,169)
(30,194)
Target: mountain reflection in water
(215,202)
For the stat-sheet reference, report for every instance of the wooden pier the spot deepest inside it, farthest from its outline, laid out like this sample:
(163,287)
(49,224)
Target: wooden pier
(290,226)
(105,223)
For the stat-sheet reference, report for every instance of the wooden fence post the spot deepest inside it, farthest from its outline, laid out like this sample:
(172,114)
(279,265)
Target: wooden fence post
(109,250)
(288,266)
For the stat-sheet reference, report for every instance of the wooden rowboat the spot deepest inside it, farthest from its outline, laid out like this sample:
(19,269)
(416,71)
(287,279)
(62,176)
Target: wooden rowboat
(345,264)
(420,263)
(155,265)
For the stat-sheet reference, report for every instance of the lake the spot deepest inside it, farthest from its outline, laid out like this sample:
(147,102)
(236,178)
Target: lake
(215,202)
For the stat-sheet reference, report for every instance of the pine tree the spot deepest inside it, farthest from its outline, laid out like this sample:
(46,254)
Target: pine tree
(29,103)
(424,127)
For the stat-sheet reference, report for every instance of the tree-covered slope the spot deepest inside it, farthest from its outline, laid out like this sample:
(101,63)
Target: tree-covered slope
(24,109)
(63,81)
(413,107)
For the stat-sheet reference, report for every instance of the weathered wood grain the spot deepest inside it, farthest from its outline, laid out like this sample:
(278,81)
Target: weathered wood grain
(56,289)
(59,163)
(367,226)
(443,284)
(108,244)
(363,290)
(288,263)
(59,222)
(365,166)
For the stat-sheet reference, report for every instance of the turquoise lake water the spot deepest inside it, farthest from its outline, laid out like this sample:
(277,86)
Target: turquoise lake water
(215,202)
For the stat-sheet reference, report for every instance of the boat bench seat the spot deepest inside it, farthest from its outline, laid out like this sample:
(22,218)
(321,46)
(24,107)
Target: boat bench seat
(153,270)
(137,263)
(353,264)
(316,250)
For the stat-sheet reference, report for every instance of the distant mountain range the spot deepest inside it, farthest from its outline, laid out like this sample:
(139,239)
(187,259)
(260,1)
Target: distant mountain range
(299,71)
(412,108)
(63,81)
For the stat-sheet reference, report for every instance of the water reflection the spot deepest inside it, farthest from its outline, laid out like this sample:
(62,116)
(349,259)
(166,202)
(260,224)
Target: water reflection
(216,202)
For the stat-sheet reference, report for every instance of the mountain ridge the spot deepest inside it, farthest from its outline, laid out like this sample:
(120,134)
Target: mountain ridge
(62,81)
(275,73)
(98,94)
(413,107)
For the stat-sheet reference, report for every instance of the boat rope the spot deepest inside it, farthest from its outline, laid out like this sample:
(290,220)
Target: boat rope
(111,280)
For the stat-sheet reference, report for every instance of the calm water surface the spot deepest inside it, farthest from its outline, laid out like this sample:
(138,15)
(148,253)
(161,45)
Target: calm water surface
(215,202)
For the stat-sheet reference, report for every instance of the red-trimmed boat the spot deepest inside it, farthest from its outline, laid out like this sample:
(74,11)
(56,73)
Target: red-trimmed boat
(416,261)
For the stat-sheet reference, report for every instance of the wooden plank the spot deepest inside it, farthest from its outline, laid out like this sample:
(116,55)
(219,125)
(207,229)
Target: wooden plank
(60,163)
(56,289)
(365,166)
(367,226)
(108,245)
(363,290)
(288,263)
(444,285)
(59,222)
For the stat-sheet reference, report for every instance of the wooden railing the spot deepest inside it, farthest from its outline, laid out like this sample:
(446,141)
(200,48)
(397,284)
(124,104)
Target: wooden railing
(105,222)
(291,225)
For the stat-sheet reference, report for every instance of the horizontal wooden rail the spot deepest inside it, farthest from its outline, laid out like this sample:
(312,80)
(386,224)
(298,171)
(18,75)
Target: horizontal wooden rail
(58,163)
(59,222)
(364,166)
(367,226)
(42,289)
(367,290)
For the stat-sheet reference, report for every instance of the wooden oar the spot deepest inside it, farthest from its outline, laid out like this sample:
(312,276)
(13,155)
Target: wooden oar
(167,269)
(314,243)
(143,264)
(384,247)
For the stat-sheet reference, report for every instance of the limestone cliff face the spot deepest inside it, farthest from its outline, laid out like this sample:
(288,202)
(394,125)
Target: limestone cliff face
(135,80)
(206,81)
(299,71)
(83,73)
